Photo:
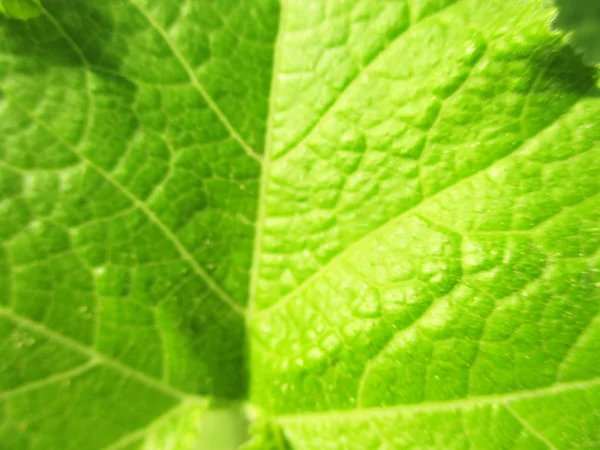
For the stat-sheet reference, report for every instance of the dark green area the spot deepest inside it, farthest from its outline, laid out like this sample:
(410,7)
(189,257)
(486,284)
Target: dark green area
(582,19)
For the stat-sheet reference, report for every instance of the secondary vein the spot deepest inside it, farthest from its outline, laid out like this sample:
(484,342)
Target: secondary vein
(196,83)
(435,406)
(92,353)
(402,214)
(262,199)
(185,254)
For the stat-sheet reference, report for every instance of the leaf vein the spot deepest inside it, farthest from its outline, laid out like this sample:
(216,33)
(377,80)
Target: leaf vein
(330,107)
(196,83)
(92,353)
(55,378)
(143,207)
(414,207)
(439,406)
(529,428)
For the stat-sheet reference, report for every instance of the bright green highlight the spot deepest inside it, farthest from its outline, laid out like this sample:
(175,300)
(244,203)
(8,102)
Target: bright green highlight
(350,224)
(20,9)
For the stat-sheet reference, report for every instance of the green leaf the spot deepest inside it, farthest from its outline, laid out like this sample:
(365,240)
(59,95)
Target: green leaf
(350,224)
(265,435)
(582,19)
(20,9)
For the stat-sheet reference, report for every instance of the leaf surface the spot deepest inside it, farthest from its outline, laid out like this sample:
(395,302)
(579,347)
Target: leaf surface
(373,221)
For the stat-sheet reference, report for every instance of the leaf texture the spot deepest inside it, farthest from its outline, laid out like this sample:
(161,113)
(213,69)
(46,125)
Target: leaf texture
(373,222)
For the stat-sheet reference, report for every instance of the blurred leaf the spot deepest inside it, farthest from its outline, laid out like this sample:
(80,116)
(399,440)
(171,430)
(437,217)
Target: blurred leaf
(582,19)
